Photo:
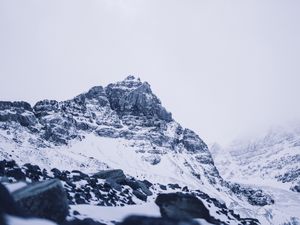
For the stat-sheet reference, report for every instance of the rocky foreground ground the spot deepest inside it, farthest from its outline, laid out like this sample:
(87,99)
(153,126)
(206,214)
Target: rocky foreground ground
(49,195)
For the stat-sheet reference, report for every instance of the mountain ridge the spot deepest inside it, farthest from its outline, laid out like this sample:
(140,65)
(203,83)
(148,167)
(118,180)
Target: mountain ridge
(120,126)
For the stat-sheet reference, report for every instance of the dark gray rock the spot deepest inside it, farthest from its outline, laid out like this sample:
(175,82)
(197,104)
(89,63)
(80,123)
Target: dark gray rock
(16,173)
(59,129)
(115,175)
(86,221)
(182,206)
(18,105)
(45,107)
(289,176)
(163,187)
(254,196)
(98,93)
(107,132)
(19,112)
(2,219)
(138,185)
(296,188)
(45,199)
(131,96)
(7,204)
(33,172)
(174,186)
(192,142)
(140,195)
(112,177)
(143,220)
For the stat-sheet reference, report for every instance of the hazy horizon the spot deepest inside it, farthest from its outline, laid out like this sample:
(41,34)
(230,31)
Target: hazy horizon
(223,68)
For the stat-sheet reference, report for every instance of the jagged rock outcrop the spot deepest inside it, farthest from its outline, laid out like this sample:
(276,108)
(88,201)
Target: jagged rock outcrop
(133,97)
(115,175)
(19,113)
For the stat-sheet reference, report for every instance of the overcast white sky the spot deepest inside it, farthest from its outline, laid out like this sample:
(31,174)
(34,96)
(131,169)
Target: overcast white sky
(221,67)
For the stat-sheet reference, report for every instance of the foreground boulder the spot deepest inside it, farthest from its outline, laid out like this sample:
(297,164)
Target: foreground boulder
(183,206)
(87,221)
(44,199)
(143,220)
(7,205)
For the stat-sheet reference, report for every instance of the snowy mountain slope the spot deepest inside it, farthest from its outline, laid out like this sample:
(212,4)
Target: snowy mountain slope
(121,126)
(273,158)
(127,111)
(272,162)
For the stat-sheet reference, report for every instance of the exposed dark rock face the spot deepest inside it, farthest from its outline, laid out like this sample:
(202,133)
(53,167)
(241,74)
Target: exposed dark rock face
(296,188)
(191,205)
(117,176)
(141,186)
(16,173)
(44,199)
(140,195)
(18,106)
(18,112)
(192,141)
(254,196)
(113,177)
(290,175)
(131,96)
(45,108)
(143,220)
(182,206)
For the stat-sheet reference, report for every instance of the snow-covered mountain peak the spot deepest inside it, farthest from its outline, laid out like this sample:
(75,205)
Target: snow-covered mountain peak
(120,126)
(134,97)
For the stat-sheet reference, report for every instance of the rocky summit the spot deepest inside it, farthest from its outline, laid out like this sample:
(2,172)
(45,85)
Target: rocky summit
(115,151)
